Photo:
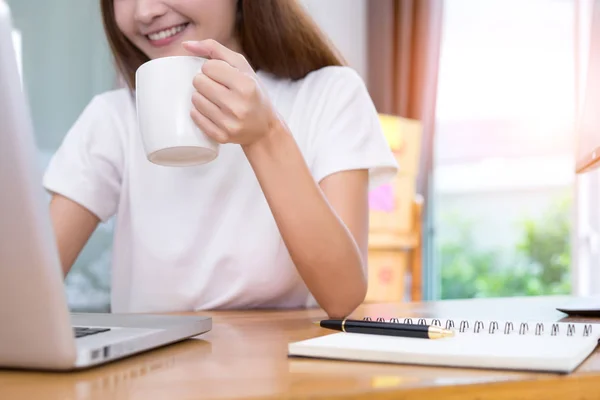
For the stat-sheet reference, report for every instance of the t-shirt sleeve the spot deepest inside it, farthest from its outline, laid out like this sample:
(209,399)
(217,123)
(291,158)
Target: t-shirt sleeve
(346,133)
(87,167)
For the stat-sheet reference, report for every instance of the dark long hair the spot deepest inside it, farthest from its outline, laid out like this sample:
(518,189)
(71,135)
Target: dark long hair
(276,36)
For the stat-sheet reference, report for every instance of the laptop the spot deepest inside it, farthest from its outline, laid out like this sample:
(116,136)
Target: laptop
(37,329)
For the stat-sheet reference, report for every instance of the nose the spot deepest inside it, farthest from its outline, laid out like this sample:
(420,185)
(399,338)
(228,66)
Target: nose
(148,10)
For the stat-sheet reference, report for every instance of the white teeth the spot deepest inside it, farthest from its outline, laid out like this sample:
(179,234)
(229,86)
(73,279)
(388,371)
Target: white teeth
(167,32)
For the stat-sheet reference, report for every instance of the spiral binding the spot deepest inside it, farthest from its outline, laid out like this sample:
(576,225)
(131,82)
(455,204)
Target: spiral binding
(493,326)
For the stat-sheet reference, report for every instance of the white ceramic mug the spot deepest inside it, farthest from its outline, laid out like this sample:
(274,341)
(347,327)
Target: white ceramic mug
(164,100)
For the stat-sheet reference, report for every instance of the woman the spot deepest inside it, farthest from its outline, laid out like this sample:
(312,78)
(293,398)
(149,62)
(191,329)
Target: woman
(280,218)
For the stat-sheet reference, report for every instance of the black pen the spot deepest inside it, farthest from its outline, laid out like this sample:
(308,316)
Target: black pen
(386,328)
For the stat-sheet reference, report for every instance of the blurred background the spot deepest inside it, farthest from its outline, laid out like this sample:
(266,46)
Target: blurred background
(480,101)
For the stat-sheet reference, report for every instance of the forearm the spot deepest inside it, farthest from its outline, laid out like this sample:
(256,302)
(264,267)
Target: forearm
(320,245)
(72,225)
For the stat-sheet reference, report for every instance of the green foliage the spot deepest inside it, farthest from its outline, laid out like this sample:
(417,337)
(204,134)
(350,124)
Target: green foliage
(539,266)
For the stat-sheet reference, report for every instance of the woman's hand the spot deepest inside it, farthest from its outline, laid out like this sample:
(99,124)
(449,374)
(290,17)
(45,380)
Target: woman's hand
(229,104)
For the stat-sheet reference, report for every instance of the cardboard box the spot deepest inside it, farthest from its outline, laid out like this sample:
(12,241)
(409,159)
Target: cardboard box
(404,137)
(387,275)
(391,206)
(393,215)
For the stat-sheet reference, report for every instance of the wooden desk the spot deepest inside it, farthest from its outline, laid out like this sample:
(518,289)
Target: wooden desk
(245,357)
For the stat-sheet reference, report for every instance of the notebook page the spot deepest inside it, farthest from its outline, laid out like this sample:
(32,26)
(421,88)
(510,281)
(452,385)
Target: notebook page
(528,351)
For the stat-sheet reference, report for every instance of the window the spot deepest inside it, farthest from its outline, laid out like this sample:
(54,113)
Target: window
(504,164)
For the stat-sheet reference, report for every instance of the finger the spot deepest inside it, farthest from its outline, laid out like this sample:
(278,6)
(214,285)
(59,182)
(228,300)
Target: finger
(208,127)
(221,72)
(213,91)
(214,50)
(208,109)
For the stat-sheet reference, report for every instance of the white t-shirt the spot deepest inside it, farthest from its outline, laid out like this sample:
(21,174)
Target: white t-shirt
(203,237)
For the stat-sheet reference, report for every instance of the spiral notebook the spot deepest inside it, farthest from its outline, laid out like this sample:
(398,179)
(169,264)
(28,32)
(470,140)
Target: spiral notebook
(511,345)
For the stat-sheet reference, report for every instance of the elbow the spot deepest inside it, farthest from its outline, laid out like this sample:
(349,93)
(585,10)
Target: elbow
(341,307)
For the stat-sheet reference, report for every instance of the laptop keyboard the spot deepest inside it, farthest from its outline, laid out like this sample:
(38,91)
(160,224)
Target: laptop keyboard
(82,332)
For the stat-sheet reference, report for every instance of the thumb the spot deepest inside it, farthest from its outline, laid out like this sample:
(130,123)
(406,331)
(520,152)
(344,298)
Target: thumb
(197,48)
(214,50)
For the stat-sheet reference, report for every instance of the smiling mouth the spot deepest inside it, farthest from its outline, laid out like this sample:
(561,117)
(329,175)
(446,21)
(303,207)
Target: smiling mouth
(166,33)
